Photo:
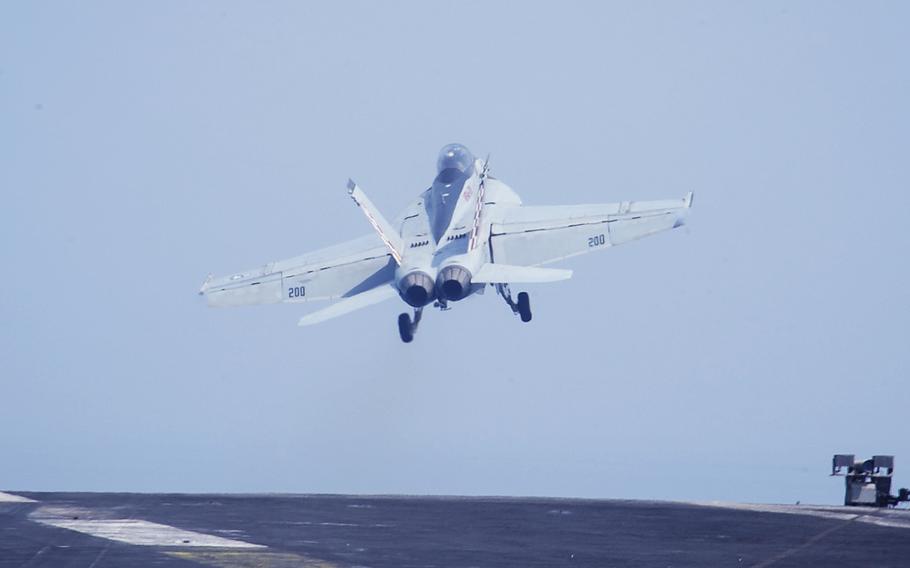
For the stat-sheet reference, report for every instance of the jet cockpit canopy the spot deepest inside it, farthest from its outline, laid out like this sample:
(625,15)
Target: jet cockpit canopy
(455,156)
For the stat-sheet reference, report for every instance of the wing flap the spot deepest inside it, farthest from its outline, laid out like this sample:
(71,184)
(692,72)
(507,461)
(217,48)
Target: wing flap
(334,272)
(540,235)
(636,227)
(256,289)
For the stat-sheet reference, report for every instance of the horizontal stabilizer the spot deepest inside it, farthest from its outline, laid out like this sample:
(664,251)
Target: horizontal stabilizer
(493,273)
(349,305)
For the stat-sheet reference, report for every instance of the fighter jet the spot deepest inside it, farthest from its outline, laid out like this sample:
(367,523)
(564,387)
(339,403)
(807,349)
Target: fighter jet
(467,231)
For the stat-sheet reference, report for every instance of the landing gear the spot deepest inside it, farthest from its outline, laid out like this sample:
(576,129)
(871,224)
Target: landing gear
(522,307)
(406,327)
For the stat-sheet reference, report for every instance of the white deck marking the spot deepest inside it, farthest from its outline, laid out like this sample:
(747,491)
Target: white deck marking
(10,498)
(882,517)
(825,512)
(131,531)
(145,533)
(796,549)
(895,523)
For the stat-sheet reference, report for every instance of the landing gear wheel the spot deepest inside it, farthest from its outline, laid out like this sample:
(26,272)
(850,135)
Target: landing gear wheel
(524,306)
(405,329)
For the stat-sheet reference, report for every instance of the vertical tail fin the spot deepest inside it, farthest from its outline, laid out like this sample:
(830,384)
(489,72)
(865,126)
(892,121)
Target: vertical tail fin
(475,229)
(386,232)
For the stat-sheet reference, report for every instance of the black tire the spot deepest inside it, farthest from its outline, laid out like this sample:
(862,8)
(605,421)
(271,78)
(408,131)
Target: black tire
(524,307)
(405,329)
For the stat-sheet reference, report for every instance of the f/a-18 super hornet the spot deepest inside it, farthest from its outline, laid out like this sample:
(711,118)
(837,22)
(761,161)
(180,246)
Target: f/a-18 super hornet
(466,231)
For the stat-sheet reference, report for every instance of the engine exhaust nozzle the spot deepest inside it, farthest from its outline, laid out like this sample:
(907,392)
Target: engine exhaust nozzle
(453,282)
(417,289)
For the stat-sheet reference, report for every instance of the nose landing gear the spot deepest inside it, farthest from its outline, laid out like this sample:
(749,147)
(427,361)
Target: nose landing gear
(406,327)
(522,307)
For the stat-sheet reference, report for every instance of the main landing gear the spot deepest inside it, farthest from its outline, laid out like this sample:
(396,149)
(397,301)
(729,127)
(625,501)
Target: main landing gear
(522,307)
(406,327)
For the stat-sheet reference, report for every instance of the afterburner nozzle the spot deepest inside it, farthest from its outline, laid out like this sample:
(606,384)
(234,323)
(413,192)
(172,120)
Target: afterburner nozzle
(417,289)
(453,282)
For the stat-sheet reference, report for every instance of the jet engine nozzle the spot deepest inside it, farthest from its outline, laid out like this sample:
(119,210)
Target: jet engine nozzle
(417,289)
(453,282)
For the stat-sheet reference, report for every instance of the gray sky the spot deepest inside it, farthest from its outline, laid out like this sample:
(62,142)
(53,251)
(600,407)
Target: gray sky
(142,147)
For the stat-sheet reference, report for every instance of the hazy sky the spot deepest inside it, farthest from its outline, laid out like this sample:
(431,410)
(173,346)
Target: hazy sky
(144,146)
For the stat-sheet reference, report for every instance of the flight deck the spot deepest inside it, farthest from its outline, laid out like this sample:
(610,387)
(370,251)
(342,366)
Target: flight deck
(101,530)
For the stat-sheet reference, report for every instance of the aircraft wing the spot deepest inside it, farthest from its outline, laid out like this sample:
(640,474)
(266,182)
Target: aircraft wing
(340,271)
(532,236)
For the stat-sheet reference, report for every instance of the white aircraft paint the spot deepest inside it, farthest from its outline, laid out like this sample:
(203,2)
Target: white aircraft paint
(467,231)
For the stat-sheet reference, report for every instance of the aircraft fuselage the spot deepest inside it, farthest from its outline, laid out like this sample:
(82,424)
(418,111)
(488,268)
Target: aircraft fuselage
(448,247)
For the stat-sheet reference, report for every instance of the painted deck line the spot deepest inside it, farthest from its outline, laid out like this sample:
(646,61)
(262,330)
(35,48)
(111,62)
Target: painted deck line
(145,533)
(10,498)
(879,517)
(886,522)
(822,512)
(130,531)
